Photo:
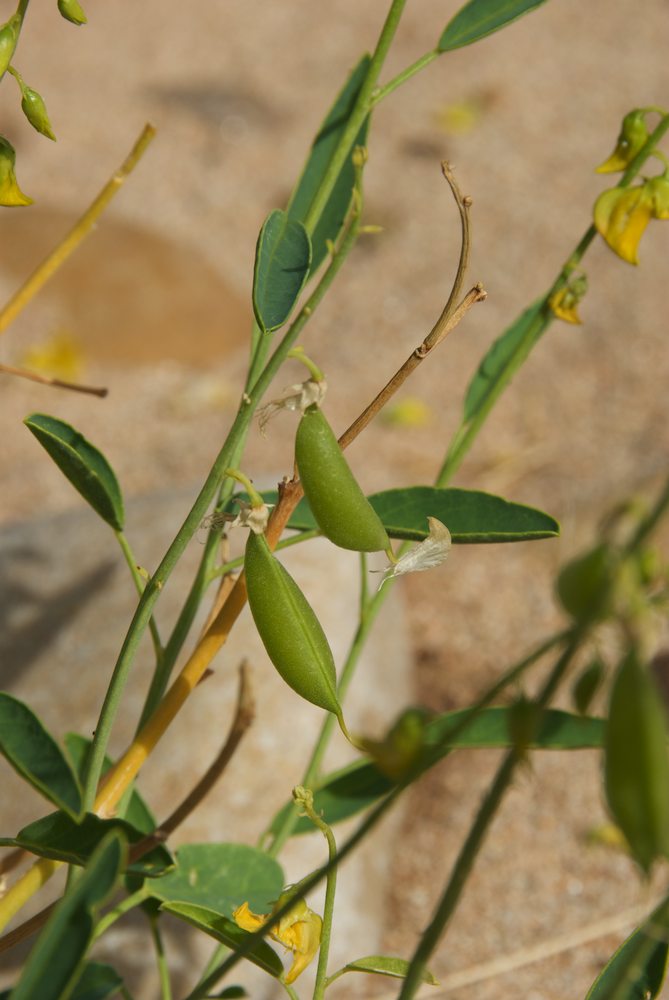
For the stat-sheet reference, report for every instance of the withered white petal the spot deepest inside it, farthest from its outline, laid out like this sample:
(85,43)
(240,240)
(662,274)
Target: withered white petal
(431,552)
(295,397)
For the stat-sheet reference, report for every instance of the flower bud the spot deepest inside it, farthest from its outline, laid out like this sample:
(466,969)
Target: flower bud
(564,303)
(633,135)
(11,194)
(621,216)
(9,36)
(72,11)
(34,109)
(659,191)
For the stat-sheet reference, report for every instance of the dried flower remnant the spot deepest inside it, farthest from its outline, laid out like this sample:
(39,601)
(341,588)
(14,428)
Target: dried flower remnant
(431,552)
(295,398)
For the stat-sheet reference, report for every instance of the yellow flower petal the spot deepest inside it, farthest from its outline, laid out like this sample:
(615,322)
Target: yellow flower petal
(564,306)
(633,136)
(621,216)
(247,920)
(299,930)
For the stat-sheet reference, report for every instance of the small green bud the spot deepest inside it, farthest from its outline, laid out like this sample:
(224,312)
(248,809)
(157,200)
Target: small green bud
(11,194)
(72,11)
(659,191)
(9,36)
(34,109)
(587,684)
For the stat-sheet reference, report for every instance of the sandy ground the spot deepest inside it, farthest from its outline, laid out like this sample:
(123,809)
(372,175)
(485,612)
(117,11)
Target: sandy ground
(158,300)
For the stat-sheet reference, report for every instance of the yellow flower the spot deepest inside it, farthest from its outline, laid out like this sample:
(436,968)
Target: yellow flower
(621,217)
(11,194)
(564,303)
(299,930)
(633,135)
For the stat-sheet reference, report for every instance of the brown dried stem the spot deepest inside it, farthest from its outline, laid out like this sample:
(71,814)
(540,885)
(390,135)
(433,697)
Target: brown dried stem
(57,383)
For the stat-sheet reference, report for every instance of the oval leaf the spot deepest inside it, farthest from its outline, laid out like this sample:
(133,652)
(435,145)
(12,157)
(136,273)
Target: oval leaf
(479,18)
(504,358)
(86,468)
(58,837)
(283,258)
(55,961)
(325,143)
(354,788)
(34,753)
(228,933)
(637,764)
(471,516)
(384,965)
(221,877)
(97,982)
(637,969)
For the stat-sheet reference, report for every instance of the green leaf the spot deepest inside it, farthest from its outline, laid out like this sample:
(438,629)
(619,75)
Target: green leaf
(55,961)
(470,515)
(357,786)
(34,753)
(283,258)
(228,933)
(504,358)
(58,837)
(637,764)
(86,468)
(325,143)
(637,969)
(384,965)
(479,18)
(222,877)
(98,981)
(132,806)
(231,993)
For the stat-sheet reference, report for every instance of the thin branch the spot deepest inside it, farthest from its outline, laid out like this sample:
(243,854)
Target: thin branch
(56,383)
(79,231)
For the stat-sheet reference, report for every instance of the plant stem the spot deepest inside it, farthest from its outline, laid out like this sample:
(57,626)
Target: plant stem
(127,904)
(80,230)
(285,543)
(161,960)
(381,92)
(472,845)
(139,582)
(56,383)
(360,111)
(304,799)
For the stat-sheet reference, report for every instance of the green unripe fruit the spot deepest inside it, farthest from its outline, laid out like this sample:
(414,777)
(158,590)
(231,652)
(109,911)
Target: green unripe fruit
(637,764)
(34,109)
(342,511)
(288,627)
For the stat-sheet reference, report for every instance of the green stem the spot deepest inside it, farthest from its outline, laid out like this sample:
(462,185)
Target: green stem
(360,111)
(139,584)
(381,92)
(304,799)
(127,904)
(469,428)
(161,959)
(651,521)
(472,845)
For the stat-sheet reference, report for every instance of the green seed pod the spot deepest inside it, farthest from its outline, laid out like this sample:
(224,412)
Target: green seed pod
(72,11)
(288,627)
(34,109)
(637,765)
(342,511)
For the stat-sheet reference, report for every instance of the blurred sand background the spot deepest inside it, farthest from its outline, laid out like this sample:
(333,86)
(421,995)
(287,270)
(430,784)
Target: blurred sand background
(158,303)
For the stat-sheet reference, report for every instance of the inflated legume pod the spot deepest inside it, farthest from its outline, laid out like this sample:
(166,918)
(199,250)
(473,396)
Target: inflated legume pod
(288,627)
(342,511)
